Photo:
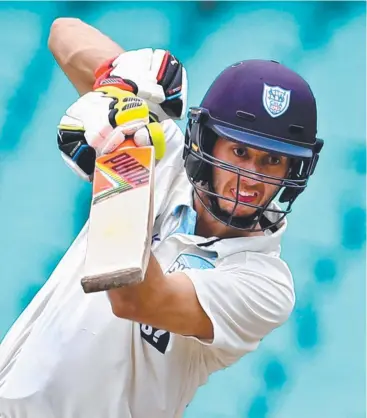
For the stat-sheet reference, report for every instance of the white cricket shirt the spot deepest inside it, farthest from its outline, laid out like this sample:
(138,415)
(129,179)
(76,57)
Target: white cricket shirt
(68,356)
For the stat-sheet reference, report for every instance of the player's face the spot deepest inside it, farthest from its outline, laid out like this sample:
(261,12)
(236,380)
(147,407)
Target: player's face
(251,190)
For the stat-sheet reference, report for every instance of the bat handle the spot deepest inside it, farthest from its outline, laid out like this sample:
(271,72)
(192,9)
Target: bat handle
(128,143)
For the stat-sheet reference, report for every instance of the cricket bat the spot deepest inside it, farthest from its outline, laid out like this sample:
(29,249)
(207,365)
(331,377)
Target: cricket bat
(121,218)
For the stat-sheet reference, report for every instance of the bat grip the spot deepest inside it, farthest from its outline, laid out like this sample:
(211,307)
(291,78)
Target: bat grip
(128,143)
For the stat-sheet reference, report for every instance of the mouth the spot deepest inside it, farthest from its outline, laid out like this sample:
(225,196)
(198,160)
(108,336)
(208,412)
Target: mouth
(245,197)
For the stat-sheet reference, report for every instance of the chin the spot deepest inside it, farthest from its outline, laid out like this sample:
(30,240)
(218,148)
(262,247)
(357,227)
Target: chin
(245,212)
(240,210)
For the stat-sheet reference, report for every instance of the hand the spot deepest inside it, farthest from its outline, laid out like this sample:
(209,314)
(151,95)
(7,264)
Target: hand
(155,76)
(98,123)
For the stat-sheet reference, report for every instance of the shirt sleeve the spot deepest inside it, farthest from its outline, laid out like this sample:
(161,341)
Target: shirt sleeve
(244,302)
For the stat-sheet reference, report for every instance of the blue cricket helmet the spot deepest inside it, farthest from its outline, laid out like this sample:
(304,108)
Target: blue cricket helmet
(263,105)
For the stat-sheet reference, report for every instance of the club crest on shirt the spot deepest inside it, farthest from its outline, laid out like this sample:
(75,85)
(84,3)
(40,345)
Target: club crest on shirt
(190,261)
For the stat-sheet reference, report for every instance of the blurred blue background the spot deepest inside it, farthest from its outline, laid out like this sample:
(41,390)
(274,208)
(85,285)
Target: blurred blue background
(314,366)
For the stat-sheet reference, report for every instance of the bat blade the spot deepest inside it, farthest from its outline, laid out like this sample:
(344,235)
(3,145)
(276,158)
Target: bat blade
(120,221)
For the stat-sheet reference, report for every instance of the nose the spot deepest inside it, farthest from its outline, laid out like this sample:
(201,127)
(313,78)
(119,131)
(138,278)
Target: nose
(252,181)
(252,177)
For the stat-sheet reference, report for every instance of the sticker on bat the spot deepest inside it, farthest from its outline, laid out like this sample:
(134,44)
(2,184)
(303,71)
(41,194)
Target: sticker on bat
(118,173)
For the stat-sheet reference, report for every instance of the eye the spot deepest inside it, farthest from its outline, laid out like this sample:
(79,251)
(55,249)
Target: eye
(273,160)
(239,152)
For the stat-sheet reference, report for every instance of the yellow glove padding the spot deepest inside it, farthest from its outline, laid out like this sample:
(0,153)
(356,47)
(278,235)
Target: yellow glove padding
(132,113)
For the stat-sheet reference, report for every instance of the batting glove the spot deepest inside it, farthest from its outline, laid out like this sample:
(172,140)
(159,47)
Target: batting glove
(155,76)
(99,122)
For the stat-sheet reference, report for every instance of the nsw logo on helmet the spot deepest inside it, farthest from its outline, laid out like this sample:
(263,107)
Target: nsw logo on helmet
(275,100)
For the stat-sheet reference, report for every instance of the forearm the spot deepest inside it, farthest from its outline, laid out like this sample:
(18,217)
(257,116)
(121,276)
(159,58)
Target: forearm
(131,301)
(164,302)
(80,49)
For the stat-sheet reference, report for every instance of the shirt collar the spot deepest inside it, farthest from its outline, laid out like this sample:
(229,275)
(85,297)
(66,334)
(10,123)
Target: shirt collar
(267,243)
(186,200)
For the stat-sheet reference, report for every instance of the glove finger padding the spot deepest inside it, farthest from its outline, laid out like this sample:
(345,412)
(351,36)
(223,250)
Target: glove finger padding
(156,76)
(152,134)
(131,71)
(128,114)
(125,109)
(96,124)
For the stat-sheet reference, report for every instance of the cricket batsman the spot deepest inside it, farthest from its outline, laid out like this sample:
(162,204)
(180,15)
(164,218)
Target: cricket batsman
(215,285)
